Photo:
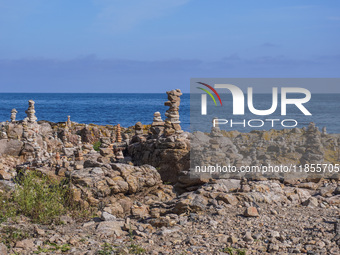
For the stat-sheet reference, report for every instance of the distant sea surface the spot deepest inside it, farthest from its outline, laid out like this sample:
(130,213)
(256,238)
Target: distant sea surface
(102,109)
(127,109)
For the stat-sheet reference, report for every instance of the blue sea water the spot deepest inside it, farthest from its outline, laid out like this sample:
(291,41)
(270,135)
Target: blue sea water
(107,108)
(127,109)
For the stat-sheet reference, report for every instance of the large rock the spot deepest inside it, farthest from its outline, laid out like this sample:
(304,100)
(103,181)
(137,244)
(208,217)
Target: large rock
(95,184)
(10,147)
(111,228)
(169,155)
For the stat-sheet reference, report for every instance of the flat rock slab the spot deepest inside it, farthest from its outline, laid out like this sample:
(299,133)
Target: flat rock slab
(110,228)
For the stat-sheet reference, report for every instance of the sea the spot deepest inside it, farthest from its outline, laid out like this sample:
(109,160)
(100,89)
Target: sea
(129,108)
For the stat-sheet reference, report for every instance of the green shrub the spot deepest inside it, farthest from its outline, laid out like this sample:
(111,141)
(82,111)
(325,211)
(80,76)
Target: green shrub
(41,198)
(96,145)
(7,207)
(53,247)
(136,249)
(232,251)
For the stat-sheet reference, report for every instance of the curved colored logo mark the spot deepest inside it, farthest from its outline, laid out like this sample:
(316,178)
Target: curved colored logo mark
(208,92)
(213,90)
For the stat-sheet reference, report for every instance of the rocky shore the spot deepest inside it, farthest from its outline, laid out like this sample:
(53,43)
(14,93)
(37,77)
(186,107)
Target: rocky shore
(137,183)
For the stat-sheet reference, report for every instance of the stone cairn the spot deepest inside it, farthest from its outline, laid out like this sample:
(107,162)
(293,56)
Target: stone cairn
(139,128)
(215,131)
(79,156)
(31,112)
(118,149)
(13,115)
(172,123)
(139,136)
(157,126)
(105,142)
(69,122)
(118,134)
(315,151)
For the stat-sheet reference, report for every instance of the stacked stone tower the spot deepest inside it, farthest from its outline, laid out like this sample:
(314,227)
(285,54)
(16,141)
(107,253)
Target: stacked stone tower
(31,112)
(13,115)
(172,123)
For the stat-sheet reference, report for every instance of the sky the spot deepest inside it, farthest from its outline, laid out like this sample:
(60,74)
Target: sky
(117,46)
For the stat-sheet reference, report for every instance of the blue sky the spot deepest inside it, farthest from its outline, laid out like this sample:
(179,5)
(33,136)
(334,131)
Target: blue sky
(157,45)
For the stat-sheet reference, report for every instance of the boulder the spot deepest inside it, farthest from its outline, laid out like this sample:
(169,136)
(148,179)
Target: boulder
(111,228)
(10,147)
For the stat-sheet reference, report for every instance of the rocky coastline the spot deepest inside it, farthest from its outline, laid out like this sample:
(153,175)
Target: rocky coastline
(138,183)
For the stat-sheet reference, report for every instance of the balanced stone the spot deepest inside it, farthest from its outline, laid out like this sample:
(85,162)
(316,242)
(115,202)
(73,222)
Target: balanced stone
(157,126)
(138,128)
(31,112)
(13,115)
(157,119)
(69,122)
(118,134)
(172,121)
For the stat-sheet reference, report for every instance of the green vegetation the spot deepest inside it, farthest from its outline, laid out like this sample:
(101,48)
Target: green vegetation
(41,199)
(136,249)
(11,235)
(233,251)
(108,249)
(96,145)
(53,247)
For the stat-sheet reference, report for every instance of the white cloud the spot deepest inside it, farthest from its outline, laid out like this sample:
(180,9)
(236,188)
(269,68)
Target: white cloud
(120,15)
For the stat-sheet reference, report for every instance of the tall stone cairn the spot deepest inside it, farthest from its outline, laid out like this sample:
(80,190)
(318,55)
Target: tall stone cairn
(172,123)
(31,112)
(314,153)
(13,115)
(118,134)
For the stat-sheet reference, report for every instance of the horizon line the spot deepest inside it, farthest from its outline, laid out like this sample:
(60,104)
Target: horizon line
(134,93)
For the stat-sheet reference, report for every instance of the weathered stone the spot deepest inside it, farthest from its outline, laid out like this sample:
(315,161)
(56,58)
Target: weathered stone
(248,238)
(335,200)
(26,244)
(251,212)
(10,147)
(192,203)
(327,191)
(108,217)
(228,199)
(3,249)
(110,228)
(5,175)
(139,211)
